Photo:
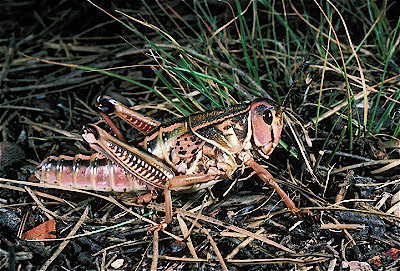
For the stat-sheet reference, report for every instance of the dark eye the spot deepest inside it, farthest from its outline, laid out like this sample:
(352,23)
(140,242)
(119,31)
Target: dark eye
(267,116)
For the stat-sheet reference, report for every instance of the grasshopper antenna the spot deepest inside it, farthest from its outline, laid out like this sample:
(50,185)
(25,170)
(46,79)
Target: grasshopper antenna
(296,78)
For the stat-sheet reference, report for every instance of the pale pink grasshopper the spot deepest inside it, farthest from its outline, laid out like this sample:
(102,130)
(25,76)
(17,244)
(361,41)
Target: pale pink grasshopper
(189,153)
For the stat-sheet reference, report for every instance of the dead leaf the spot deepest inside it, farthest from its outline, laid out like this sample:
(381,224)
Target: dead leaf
(393,253)
(43,231)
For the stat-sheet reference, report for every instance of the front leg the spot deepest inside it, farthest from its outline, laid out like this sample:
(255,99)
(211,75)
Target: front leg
(267,178)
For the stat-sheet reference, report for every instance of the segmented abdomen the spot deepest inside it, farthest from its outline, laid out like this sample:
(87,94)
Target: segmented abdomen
(93,172)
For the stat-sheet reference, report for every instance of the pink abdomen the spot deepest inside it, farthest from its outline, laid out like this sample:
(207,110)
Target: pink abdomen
(93,172)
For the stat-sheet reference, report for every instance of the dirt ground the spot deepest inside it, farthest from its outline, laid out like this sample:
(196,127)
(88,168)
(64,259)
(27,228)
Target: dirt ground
(51,53)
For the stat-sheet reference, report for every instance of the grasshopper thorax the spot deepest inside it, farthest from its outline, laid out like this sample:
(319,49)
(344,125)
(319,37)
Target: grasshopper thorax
(266,125)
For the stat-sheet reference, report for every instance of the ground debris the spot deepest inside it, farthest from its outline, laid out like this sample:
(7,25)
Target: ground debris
(58,57)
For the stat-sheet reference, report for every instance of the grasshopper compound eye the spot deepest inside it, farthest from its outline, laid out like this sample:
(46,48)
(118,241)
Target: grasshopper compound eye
(267,116)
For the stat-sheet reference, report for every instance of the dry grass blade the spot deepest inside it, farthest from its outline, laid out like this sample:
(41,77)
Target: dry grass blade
(214,245)
(354,53)
(301,262)
(300,146)
(125,244)
(186,233)
(154,262)
(242,245)
(236,229)
(365,164)
(41,194)
(330,226)
(387,167)
(335,109)
(50,215)
(309,261)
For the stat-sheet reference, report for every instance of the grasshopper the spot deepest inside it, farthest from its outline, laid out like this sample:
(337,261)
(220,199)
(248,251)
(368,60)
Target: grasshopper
(188,153)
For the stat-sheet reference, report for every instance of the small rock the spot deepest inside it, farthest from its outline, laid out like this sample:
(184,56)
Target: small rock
(10,153)
(10,219)
(117,263)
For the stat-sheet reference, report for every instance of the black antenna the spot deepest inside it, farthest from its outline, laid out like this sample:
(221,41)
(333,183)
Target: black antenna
(296,78)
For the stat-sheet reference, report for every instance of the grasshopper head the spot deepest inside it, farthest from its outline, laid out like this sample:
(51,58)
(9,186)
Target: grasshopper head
(267,125)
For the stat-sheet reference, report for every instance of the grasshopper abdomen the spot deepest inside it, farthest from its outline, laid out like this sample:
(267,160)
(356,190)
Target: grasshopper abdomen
(93,172)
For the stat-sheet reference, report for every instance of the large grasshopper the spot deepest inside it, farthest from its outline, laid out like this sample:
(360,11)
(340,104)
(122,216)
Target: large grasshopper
(189,153)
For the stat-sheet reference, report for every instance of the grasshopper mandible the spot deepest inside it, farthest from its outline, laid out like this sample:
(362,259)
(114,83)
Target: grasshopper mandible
(189,153)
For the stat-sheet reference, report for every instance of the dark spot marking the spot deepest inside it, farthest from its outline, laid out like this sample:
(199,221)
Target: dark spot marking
(198,142)
(178,143)
(181,148)
(182,152)
(186,139)
(188,145)
(195,150)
